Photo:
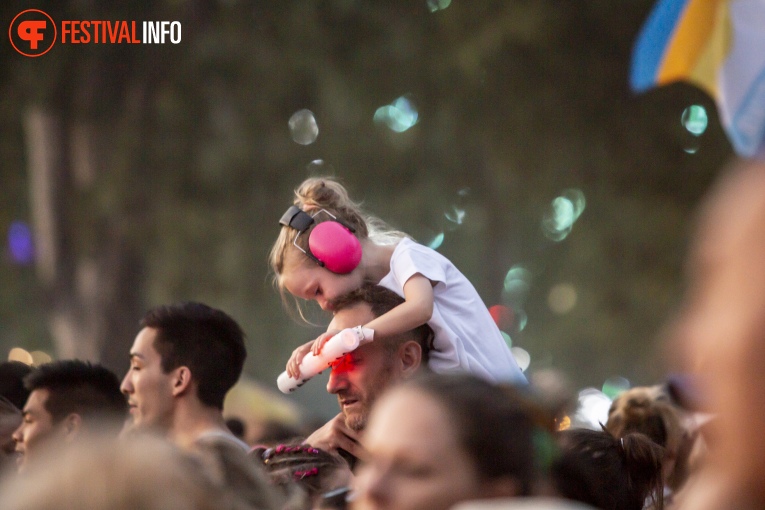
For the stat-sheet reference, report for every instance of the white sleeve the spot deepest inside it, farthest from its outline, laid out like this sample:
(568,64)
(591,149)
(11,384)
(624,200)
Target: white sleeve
(414,258)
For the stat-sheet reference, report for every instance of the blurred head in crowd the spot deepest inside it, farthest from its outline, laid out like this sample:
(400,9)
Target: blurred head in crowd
(441,439)
(650,410)
(144,473)
(236,426)
(13,396)
(10,419)
(610,473)
(65,397)
(720,332)
(12,387)
(359,377)
(185,351)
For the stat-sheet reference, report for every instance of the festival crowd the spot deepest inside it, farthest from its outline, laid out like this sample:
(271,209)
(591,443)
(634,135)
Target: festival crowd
(434,413)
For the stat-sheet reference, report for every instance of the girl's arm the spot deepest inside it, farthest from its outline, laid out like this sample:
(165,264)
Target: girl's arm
(414,312)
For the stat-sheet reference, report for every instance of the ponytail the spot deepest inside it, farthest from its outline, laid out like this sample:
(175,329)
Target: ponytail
(609,472)
(648,411)
(642,462)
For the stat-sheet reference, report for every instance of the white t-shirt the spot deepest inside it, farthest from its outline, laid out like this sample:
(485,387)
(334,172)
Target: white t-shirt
(466,337)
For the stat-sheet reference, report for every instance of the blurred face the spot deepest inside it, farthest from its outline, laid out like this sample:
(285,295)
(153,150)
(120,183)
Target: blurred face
(10,419)
(36,429)
(415,460)
(359,377)
(305,279)
(149,391)
(721,331)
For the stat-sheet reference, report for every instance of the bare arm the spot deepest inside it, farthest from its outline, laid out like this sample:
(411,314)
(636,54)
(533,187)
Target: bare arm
(414,312)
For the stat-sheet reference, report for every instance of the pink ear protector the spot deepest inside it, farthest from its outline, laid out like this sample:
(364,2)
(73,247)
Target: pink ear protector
(331,244)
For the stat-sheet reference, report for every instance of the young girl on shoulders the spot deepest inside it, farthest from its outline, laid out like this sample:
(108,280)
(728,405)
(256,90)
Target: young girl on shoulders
(328,247)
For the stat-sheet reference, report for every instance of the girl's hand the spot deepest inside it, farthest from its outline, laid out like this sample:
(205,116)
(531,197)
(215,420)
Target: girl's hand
(313,346)
(296,358)
(321,340)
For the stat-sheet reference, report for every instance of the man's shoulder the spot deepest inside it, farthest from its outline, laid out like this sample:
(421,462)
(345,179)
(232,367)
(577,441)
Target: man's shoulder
(221,439)
(226,457)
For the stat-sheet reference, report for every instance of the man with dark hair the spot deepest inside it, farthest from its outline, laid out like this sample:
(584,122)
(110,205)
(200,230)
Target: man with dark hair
(359,377)
(184,360)
(65,398)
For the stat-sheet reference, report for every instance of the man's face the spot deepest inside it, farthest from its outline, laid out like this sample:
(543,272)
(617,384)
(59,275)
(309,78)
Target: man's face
(359,377)
(149,391)
(37,428)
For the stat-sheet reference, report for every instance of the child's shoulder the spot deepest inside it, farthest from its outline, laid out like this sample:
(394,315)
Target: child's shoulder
(408,248)
(409,244)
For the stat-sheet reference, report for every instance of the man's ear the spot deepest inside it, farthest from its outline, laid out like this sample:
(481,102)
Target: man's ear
(71,425)
(410,357)
(181,380)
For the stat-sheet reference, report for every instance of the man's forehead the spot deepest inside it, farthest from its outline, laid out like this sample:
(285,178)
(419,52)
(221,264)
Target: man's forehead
(143,346)
(36,401)
(357,314)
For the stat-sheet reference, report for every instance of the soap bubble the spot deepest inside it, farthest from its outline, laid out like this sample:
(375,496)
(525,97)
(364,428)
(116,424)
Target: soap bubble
(303,127)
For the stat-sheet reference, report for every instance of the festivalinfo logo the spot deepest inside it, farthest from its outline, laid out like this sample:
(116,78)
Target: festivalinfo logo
(33,32)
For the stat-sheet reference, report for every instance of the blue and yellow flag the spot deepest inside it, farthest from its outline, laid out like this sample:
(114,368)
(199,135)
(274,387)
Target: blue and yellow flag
(718,45)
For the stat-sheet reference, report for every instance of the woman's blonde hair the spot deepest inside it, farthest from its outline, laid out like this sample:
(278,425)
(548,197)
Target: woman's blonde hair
(313,195)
